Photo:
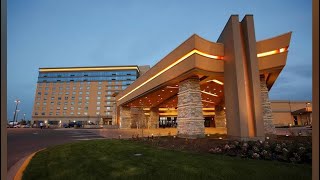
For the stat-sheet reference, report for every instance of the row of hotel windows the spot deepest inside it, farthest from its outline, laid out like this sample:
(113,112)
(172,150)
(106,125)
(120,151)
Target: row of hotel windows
(110,83)
(81,79)
(74,93)
(71,103)
(71,113)
(89,73)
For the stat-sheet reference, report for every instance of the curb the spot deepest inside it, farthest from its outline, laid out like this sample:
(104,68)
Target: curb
(23,167)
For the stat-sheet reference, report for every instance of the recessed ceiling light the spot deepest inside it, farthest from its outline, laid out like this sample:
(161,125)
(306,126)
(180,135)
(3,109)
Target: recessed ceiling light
(162,89)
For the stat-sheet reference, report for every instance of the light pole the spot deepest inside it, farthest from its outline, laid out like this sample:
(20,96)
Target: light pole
(24,116)
(15,111)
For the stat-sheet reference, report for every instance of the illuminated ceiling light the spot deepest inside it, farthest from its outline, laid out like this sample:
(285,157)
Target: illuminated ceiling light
(176,84)
(171,65)
(216,81)
(207,101)
(172,87)
(162,89)
(277,51)
(209,93)
(158,94)
(170,91)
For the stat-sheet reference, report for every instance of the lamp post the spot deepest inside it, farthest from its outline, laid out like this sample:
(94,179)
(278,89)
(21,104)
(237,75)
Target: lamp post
(15,111)
(24,116)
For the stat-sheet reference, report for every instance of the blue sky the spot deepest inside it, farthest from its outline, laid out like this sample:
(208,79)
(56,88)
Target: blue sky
(57,33)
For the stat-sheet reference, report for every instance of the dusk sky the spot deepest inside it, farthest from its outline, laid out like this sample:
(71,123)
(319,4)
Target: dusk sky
(66,33)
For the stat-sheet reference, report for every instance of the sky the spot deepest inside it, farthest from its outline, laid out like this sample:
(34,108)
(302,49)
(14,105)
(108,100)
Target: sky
(67,33)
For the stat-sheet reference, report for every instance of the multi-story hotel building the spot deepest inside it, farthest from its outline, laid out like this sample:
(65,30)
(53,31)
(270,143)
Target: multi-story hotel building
(82,94)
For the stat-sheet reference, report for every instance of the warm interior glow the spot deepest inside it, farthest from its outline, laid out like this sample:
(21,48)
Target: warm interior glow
(171,65)
(166,109)
(207,101)
(146,109)
(216,81)
(209,93)
(277,51)
(207,109)
(86,69)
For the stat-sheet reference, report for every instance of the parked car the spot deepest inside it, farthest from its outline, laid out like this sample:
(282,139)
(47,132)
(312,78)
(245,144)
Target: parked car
(73,124)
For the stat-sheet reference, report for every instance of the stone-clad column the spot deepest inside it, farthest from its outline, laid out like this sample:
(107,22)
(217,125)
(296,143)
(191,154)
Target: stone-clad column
(138,118)
(266,107)
(220,116)
(190,118)
(154,118)
(125,117)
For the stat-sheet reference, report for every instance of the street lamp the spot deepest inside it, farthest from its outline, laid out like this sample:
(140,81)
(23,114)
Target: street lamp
(15,111)
(24,116)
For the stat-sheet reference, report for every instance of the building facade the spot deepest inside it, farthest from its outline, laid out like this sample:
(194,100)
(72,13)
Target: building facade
(200,81)
(81,94)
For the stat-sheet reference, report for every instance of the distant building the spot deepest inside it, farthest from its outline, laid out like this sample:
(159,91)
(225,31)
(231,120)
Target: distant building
(291,112)
(80,94)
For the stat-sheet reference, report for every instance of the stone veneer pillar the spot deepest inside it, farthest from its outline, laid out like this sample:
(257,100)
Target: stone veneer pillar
(266,107)
(190,118)
(125,117)
(220,116)
(154,118)
(138,118)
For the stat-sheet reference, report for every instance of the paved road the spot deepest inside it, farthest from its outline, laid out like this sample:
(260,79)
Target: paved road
(24,141)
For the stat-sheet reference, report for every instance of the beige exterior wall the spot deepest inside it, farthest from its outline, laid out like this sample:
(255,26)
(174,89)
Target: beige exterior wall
(282,112)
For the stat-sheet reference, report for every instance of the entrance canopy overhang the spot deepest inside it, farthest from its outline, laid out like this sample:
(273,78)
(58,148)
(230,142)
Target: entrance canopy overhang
(158,87)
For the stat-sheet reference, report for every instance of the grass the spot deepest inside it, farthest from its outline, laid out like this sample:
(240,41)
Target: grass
(115,159)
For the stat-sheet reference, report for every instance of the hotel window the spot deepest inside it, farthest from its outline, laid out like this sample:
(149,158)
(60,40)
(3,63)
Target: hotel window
(86,108)
(85,113)
(64,113)
(79,98)
(98,103)
(108,108)
(80,93)
(109,87)
(67,88)
(57,113)
(99,87)
(51,103)
(73,92)
(72,98)
(50,113)
(99,82)
(43,113)
(52,98)
(79,103)
(98,97)
(72,103)
(87,92)
(79,108)
(36,113)
(71,108)
(74,88)
(65,108)
(58,108)
(60,93)
(108,97)
(97,113)
(71,113)
(78,113)
(108,113)
(65,98)
(45,98)
(99,92)
(87,98)
(38,98)
(67,93)
(44,103)
(109,92)
(59,98)
(81,88)
(65,103)
(86,102)
(59,103)
(98,108)
(37,108)
(108,103)
(39,93)
(46,89)
(88,82)
(88,87)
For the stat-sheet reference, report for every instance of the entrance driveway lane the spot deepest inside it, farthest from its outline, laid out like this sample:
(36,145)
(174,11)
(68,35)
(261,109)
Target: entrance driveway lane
(24,141)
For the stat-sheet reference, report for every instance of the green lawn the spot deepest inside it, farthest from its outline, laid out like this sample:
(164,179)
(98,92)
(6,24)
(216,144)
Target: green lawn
(115,159)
